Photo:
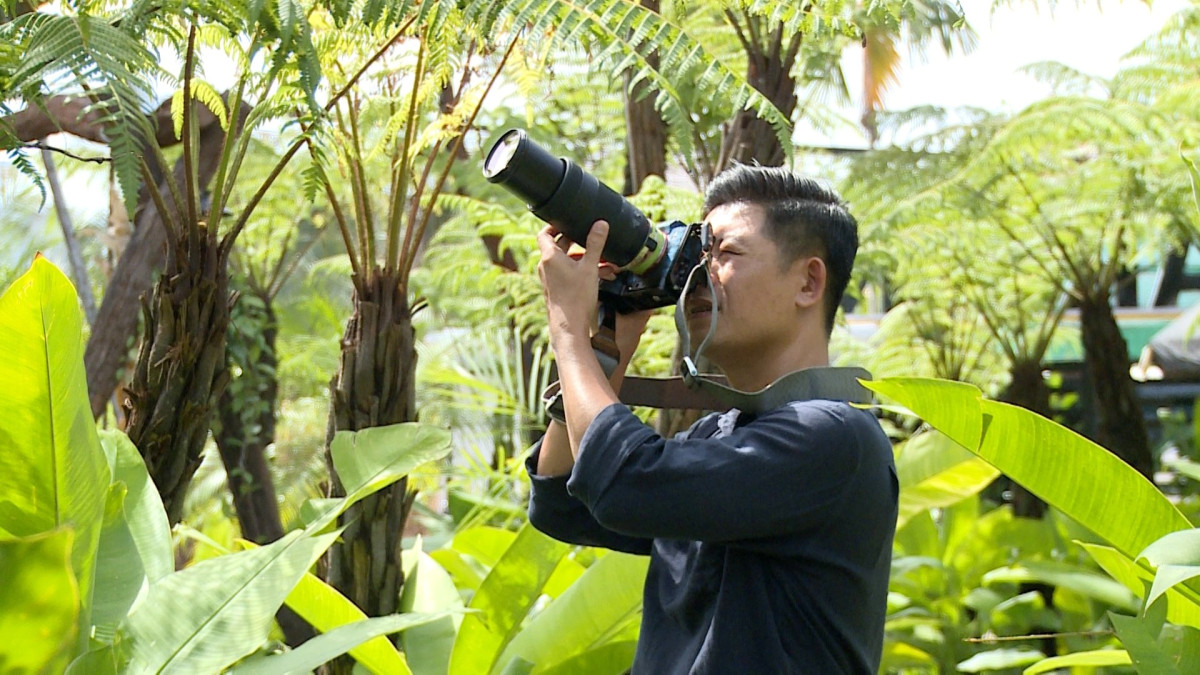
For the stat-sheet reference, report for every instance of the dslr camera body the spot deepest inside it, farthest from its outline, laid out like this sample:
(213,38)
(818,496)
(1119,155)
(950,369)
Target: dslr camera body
(654,261)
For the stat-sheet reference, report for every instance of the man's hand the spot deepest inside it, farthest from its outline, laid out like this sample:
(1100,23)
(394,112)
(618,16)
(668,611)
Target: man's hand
(570,287)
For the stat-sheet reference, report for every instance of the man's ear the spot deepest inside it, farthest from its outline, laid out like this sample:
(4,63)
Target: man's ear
(812,276)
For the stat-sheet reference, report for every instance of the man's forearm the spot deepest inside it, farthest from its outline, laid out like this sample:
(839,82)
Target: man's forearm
(561,442)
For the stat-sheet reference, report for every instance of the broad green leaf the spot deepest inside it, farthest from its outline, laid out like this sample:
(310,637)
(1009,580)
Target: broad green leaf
(429,588)
(612,657)
(1176,548)
(135,543)
(52,471)
(102,661)
(333,644)
(935,471)
(485,544)
(1082,581)
(900,655)
(504,599)
(144,512)
(1137,578)
(1195,176)
(326,609)
(950,407)
(369,459)
(1168,577)
(1078,477)
(464,574)
(208,616)
(591,611)
(39,602)
(1092,659)
(1149,646)
(999,659)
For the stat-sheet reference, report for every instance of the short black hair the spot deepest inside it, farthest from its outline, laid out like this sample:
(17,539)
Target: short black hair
(803,217)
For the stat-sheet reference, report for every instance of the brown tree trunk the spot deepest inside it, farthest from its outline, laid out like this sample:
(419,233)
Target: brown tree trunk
(1122,428)
(374,386)
(770,58)
(645,130)
(180,371)
(116,321)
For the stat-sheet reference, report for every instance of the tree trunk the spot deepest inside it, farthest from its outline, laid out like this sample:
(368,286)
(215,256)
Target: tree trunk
(180,371)
(374,386)
(1121,428)
(645,130)
(749,138)
(1027,390)
(116,322)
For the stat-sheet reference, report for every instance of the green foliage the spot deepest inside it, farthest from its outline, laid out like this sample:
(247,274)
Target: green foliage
(39,601)
(52,473)
(144,616)
(1152,548)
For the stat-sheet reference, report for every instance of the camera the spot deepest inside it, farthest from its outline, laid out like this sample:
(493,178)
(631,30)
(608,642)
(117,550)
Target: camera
(655,261)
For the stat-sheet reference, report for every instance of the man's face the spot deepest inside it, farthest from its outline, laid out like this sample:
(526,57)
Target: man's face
(759,304)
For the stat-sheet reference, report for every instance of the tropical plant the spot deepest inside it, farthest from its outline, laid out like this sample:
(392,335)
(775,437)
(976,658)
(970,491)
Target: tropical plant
(1134,533)
(85,542)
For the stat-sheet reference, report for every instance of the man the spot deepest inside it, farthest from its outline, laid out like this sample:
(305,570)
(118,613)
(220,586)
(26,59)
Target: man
(770,536)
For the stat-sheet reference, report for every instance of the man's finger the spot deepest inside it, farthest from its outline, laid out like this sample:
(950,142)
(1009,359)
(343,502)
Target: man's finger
(545,240)
(595,243)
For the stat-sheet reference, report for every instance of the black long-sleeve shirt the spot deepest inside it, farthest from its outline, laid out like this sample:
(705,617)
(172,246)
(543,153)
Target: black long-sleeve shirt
(770,538)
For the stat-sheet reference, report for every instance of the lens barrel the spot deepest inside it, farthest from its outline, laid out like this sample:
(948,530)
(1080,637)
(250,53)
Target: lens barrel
(570,199)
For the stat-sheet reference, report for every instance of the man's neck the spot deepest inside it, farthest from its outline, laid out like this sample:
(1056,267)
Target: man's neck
(757,372)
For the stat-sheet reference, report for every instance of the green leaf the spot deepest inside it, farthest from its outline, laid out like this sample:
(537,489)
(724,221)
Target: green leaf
(144,512)
(39,602)
(1169,576)
(135,543)
(429,588)
(1181,609)
(935,472)
(612,657)
(52,471)
(1081,479)
(1082,581)
(999,659)
(1153,649)
(504,599)
(370,459)
(591,611)
(1195,176)
(208,616)
(1092,659)
(327,609)
(336,642)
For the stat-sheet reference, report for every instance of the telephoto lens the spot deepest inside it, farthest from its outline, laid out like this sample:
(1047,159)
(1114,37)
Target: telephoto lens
(560,193)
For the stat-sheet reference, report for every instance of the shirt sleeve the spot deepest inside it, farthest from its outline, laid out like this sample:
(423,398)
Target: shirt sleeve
(783,473)
(553,511)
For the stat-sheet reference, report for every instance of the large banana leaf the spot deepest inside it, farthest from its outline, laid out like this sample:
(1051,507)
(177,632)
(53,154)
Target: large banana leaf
(135,543)
(327,609)
(429,588)
(1181,609)
(589,614)
(1069,472)
(934,472)
(39,603)
(206,617)
(503,601)
(52,471)
(333,644)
